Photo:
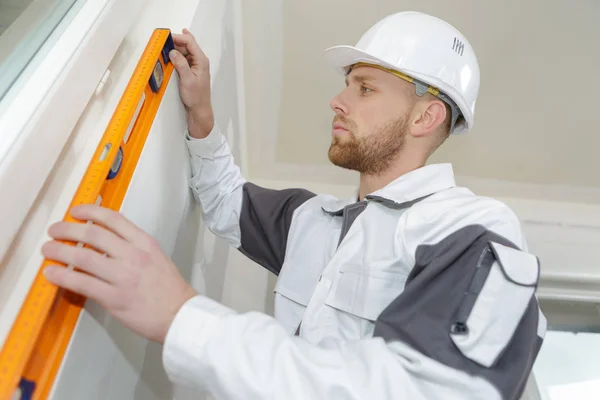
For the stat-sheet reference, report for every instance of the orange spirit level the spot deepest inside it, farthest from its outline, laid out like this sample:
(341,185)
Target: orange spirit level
(36,344)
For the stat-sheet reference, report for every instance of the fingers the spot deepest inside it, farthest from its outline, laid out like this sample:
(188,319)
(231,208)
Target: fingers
(98,237)
(85,259)
(182,49)
(181,65)
(184,53)
(113,221)
(186,44)
(83,284)
(181,41)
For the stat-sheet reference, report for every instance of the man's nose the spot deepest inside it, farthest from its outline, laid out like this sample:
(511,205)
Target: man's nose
(338,105)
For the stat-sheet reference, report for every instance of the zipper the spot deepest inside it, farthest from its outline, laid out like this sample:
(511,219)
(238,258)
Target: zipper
(484,265)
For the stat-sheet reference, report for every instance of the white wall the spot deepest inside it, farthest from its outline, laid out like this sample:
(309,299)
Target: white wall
(124,365)
(117,363)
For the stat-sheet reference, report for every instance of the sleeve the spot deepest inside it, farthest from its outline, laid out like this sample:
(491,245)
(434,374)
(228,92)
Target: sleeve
(469,301)
(251,357)
(254,219)
(466,326)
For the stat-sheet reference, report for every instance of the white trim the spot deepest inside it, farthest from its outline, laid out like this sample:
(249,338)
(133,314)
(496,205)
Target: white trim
(269,169)
(534,191)
(45,112)
(569,287)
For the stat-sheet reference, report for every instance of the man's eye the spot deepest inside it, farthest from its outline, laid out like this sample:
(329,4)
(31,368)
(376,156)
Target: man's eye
(365,89)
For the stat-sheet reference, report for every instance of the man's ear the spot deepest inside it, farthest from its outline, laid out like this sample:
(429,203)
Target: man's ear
(426,117)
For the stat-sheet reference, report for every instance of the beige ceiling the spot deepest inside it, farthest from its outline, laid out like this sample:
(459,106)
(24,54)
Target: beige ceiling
(538,112)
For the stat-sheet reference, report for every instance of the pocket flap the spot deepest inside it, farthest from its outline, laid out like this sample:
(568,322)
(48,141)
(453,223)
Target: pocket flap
(365,293)
(520,267)
(499,304)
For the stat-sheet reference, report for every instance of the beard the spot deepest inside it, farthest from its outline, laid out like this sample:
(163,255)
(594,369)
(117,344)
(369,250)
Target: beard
(372,154)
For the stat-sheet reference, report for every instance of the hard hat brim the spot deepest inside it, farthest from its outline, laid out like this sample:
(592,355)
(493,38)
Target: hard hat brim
(341,57)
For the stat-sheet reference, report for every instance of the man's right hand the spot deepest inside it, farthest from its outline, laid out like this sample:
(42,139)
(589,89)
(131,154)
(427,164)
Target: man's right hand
(193,68)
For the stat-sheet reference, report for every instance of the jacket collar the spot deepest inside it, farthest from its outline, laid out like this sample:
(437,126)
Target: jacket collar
(405,190)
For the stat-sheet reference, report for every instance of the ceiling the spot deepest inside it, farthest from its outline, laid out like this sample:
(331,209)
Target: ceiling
(536,117)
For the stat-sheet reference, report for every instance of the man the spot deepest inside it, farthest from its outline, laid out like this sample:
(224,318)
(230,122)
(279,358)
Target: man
(415,289)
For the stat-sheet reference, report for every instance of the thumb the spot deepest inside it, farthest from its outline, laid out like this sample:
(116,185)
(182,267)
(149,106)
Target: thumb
(181,65)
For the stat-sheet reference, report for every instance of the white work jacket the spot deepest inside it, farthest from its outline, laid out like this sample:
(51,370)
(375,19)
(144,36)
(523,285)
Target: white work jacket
(422,290)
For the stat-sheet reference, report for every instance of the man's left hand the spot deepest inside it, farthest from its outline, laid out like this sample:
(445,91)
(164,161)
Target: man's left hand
(134,281)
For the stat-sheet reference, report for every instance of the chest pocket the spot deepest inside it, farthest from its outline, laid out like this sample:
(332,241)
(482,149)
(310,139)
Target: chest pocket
(371,271)
(363,292)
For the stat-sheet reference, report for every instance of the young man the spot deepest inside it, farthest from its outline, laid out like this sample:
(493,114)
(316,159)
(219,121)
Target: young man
(415,289)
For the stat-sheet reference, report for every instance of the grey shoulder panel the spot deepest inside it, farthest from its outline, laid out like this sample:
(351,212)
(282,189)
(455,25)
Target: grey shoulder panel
(265,221)
(442,292)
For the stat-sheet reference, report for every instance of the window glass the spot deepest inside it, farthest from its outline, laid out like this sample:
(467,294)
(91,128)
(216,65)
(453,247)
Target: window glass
(25,26)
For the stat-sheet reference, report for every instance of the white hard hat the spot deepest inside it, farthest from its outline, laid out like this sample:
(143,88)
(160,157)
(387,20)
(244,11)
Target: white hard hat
(427,51)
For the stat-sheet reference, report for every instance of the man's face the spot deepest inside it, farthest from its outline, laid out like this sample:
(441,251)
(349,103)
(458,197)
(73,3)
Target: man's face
(370,122)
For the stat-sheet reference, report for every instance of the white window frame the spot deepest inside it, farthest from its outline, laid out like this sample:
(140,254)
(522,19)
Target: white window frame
(38,122)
